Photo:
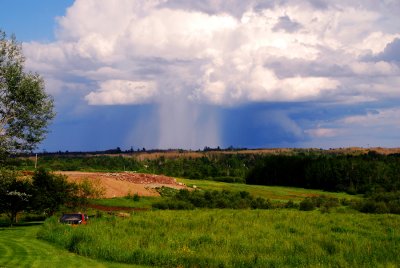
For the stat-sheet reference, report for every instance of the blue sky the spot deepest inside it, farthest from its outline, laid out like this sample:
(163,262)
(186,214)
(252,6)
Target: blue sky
(188,74)
(32,20)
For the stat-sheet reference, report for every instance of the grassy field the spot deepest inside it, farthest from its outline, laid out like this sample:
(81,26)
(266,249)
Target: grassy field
(144,202)
(236,238)
(276,193)
(19,247)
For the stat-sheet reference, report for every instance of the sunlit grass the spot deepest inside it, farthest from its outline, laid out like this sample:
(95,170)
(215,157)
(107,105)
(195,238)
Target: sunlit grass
(274,193)
(238,238)
(278,193)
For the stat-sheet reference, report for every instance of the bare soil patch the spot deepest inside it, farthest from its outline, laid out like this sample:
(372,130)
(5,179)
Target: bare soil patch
(120,184)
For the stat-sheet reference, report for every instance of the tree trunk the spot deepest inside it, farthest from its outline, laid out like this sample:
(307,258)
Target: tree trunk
(13,217)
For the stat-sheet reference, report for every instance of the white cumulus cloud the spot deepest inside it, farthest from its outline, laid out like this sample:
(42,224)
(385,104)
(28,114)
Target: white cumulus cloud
(180,54)
(113,92)
(216,55)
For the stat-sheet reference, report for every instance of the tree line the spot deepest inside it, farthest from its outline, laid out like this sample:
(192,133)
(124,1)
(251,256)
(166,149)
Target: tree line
(354,174)
(219,167)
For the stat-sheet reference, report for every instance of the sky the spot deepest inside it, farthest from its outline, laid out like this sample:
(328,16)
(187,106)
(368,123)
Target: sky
(189,73)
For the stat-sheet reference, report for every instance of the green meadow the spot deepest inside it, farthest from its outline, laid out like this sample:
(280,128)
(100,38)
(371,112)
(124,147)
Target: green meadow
(273,193)
(277,193)
(144,202)
(235,238)
(341,237)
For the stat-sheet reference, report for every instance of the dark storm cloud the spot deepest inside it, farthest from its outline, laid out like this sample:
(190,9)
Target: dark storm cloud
(299,67)
(286,24)
(391,52)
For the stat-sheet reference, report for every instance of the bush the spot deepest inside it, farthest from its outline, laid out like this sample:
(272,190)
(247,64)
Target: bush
(135,197)
(291,204)
(323,202)
(261,203)
(166,191)
(174,205)
(388,202)
(394,206)
(345,202)
(329,203)
(307,204)
(184,199)
(371,206)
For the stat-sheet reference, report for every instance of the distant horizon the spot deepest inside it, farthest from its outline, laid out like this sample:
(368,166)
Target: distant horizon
(209,149)
(190,74)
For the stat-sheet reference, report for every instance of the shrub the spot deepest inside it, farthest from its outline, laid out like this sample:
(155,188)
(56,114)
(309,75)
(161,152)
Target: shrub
(329,203)
(307,204)
(371,206)
(388,202)
(166,191)
(394,206)
(136,197)
(260,203)
(291,204)
(345,202)
(184,199)
(174,205)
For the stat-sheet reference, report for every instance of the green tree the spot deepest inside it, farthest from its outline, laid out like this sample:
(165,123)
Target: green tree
(25,107)
(87,189)
(15,194)
(51,191)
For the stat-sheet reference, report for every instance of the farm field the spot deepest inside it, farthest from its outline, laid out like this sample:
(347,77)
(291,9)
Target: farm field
(236,238)
(19,247)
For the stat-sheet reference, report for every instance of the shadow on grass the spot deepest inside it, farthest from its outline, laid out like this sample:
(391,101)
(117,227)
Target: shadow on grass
(20,224)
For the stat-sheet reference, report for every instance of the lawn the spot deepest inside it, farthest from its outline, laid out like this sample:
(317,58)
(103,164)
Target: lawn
(19,247)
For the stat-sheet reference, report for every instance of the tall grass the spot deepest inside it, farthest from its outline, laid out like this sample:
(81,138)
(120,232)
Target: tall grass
(236,238)
(143,202)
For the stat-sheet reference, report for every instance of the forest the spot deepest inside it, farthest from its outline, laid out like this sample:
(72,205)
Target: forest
(374,175)
(351,173)
(361,174)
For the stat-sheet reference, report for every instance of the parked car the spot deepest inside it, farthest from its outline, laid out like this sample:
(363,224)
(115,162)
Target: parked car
(74,218)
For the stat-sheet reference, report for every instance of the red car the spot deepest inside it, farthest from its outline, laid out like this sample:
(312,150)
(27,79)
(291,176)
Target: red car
(74,218)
